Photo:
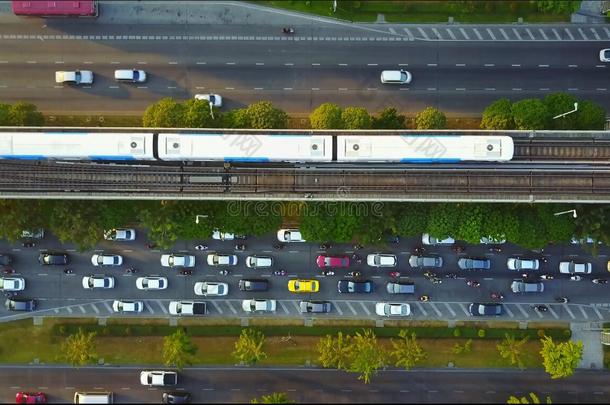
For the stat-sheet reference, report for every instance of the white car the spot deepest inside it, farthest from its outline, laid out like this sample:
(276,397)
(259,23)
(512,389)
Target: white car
(106,260)
(98,281)
(256,262)
(516,263)
(216,259)
(159,378)
(211,289)
(151,283)
(488,240)
(392,309)
(289,235)
(604,55)
(381,260)
(215,99)
(127,306)
(219,235)
(130,75)
(396,77)
(258,305)
(189,308)
(426,239)
(173,260)
(573,267)
(12,284)
(74,77)
(120,234)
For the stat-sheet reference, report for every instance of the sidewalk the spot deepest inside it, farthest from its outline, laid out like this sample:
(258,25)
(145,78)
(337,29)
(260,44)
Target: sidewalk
(589,333)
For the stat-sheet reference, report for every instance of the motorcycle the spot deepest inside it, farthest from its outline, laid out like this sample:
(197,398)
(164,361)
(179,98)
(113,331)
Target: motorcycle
(451,275)
(28,244)
(279,273)
(357,247)
(201,247)
(473,283)
(354,274)
(562,300)
(357,259)
(497,296)
(8,270)
(575,278)
(424,298)
(419,250)
(328,273)
(152,246)
(436,280)
(546,277)
(495,249)
(68,271)
(241,246)
(186,272)
(429,274)
(395,274)
(458,249)
(9,294)
(599,281)
(224,272)
(130,270)
(288,30)
(541,308)
(325,246)
(278,246)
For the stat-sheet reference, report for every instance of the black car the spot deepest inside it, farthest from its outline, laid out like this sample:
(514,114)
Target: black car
(253,285)
(317,307)
(351,286)
(5,260)
(176,398)
(485,309)
(20,304)
(53,258)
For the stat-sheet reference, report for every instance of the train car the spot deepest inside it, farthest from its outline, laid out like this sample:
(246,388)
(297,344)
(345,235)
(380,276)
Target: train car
(246,147)
(76,146)
(424,149)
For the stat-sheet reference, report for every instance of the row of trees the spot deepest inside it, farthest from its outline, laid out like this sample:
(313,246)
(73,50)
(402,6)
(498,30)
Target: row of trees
(83,221)
(533,113)
(20,115)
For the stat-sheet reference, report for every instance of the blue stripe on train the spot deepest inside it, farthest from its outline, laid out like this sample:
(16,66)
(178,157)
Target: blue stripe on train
(421,160)
(246,159)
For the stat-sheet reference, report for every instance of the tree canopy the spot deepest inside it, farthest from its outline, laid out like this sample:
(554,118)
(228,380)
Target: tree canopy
(178,349)
(326,116)
(79,348)
(356,118)
(165,113)
(430,118)
(24,114)
(406,351)
(249,347)
(560,359)
(388,118)
(498,115)
(530,114)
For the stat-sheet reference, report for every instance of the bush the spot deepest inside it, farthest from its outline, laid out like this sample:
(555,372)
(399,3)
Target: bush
(541,333)
(127,331)
(457,332)
(481,333)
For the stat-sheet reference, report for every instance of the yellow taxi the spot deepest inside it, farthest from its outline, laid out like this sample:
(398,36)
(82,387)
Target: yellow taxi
(303,286)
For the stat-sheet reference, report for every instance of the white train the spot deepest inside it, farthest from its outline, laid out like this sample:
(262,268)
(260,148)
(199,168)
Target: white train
(255,147)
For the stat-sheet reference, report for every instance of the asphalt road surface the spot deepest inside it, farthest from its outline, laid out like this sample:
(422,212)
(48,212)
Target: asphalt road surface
(213,385)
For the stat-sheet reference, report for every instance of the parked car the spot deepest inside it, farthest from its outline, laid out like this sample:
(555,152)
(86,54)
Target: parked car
(392,309)
(211,288)
(521,286)
(177,397)
(258,305)
(53,258)
(381,260)
(120,234)
(214,99)
(394,287)
(257,262)
(575,267)
(33,233)
(159,378)
(315,307)
(425,261)
(604,55)
(517,263)
(12,284)
(190,308)
(74,77)
(426,239)
(220,235)
(98,281)
(354,286)
(289,235)
(395,77)
(20,304)
(130,75)
(5,259)
(585,240)
(151,283)
(474,263)
(216,259)
(127,306)
(106,260)
(324,261)
(253,285)
(489,240)
(177,260)
(30,398)
(303,286)
(485,309)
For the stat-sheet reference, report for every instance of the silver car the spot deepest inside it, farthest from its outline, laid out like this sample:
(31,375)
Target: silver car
(517,263)
(317,307)
(574,267)
(520,286)
(425,261)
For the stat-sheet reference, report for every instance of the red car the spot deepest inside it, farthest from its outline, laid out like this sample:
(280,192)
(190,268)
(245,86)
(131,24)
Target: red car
(332,261)
(30,398)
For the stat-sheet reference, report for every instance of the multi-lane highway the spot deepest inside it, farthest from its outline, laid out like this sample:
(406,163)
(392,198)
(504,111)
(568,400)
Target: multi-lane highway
(62,294)
(215,385)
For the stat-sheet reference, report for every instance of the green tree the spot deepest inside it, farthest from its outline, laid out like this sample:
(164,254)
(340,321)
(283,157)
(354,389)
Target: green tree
(25,114)
(336,221)
(498,115)
(236,119)
(556,6)
(443,219)
(406,351)
(590,116)
(592,220)
(197,114)
(530,113)
(326,116)
(273,398)
(79,348)
(334,352)
(18,215)
(430,118)
(533,399)
(560,359)
(366,355)
(556,228)
(470,228)
(512,349)
(5,118)
(559,103)
(178,349)
(165,113)
(411,218)
(77,221)
(356,118)
(249,347)
(263,115)
(388,118)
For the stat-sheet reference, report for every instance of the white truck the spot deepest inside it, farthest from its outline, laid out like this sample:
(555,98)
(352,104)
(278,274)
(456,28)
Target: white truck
(189,308)
(158,378)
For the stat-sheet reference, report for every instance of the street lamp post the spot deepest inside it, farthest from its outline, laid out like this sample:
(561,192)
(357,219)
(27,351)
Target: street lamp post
(566,212)
(566,113)
(211,111)
(197,218)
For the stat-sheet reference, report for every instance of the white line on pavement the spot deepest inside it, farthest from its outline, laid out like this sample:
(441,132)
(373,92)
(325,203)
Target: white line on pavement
(350,307)
(450,309)
(284,307)
(439,313)
(365,308)
(336,305)
(421,308)
(230,306)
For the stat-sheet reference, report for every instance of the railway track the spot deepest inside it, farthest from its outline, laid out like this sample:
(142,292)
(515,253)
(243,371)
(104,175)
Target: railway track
(576,150)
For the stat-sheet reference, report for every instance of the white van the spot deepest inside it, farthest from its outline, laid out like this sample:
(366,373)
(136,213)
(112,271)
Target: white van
(395,77)
(130,75)
(93,397)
